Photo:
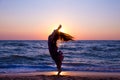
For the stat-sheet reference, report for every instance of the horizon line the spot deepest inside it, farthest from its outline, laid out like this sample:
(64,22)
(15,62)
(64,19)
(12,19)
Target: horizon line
(46,39)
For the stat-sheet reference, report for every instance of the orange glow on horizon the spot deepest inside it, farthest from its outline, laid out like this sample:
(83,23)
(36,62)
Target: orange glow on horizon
(41,32)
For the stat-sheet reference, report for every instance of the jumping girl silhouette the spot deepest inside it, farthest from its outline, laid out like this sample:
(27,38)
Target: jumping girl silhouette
(56,55)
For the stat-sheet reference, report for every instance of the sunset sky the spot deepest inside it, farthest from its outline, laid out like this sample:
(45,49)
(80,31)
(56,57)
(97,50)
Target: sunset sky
(83,19)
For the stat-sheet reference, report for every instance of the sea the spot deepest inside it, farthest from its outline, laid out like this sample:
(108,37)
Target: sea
(18,56)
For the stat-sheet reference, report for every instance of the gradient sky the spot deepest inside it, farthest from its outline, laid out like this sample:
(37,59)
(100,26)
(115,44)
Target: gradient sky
(35,19)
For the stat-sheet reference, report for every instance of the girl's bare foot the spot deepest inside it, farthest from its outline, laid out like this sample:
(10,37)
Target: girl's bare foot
(59,72)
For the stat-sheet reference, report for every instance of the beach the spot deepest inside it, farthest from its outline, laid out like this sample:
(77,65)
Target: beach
(65,75)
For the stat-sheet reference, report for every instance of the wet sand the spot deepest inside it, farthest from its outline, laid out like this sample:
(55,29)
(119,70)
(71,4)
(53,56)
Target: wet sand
(65,75)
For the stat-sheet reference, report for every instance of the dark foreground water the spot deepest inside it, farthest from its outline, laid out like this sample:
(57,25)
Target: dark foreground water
(30,56)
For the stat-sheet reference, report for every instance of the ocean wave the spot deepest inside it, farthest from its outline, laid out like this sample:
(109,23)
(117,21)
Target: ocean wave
(84,55)
(15,44)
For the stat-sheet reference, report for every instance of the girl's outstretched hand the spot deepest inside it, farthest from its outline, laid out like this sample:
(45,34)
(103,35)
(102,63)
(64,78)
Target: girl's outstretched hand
(59,27)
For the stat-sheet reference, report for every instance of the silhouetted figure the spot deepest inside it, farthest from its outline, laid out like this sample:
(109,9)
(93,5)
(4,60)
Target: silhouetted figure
(56,55)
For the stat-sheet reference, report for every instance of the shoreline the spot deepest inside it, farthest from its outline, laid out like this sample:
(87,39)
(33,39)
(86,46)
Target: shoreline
(65,75)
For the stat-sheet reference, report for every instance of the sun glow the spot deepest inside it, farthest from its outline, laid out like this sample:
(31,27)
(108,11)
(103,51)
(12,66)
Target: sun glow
(62,30)
(62,73)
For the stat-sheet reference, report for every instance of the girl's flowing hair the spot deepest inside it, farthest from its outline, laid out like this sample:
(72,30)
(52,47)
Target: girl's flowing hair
(65,37)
